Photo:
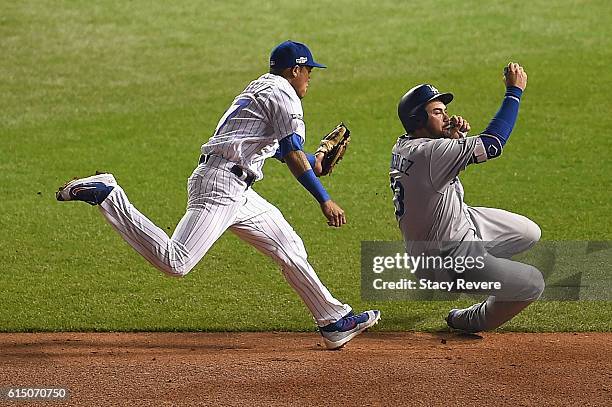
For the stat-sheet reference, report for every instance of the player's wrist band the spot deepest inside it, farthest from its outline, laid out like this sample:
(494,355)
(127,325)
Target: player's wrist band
(312,184)
(514,91)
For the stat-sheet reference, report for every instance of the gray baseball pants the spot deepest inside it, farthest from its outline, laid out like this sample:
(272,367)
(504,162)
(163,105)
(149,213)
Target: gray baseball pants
(503,234)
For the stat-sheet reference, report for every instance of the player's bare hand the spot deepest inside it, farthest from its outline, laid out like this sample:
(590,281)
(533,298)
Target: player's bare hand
(515,75)
(334,213)
(457,127)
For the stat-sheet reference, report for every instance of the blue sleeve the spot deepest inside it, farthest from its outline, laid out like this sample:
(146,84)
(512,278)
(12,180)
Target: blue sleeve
(498,131)
(292,143)
(310,181)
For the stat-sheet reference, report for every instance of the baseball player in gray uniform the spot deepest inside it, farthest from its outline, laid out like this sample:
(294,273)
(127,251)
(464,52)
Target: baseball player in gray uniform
(433,217)
(265,120)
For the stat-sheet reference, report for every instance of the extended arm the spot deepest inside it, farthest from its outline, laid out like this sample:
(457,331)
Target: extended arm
(299,164)
(498,131)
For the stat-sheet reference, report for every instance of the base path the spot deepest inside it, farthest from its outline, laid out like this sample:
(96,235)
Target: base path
(416,369)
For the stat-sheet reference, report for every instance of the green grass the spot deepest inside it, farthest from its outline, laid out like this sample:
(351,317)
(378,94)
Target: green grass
(136,87)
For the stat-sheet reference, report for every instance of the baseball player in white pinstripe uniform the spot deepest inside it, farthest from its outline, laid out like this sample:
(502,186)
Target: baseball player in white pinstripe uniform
(265,120)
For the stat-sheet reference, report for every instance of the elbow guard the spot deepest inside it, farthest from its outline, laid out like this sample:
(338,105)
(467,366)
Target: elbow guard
(492,145)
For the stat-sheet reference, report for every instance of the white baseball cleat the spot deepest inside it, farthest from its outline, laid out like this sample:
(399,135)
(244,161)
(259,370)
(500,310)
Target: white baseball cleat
(340,332)
(92,190)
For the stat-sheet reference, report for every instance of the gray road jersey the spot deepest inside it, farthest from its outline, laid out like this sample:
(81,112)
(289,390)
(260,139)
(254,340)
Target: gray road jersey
(428,195)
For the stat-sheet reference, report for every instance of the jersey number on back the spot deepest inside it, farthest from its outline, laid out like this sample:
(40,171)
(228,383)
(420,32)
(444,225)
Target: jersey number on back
(232,112)
(398,197)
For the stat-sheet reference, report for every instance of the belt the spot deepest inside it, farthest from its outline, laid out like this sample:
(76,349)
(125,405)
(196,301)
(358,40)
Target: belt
(220,162)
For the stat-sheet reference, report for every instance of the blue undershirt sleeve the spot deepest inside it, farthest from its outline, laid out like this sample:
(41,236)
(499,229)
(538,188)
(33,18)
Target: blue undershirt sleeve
(312,184)
(292,143)
(308,179)
(498,131)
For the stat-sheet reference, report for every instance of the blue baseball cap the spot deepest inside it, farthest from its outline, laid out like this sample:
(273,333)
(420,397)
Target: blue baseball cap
(289,54)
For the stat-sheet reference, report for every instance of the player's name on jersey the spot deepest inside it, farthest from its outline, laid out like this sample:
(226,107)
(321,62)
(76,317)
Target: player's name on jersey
(426,284)
(400,163)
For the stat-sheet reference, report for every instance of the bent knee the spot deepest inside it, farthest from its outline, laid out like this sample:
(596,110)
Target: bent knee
(532,233)
(535,287)
(174,270)
(177,261)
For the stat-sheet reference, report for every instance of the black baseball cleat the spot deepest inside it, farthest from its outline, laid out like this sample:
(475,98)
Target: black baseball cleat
(92,190)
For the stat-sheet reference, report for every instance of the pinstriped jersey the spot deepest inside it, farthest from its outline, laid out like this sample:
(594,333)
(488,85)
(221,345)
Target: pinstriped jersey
(428,195)
(267,111)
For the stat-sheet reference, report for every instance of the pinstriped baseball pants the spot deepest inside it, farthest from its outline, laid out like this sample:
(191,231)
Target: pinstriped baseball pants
(217,201)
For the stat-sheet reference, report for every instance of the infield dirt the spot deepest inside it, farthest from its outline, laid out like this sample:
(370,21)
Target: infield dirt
(417,369)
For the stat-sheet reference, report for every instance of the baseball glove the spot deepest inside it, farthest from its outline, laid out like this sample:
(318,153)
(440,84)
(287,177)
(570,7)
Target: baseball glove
(334,146)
